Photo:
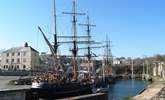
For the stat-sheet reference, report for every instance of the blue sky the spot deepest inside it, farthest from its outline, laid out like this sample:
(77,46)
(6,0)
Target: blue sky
(135,27)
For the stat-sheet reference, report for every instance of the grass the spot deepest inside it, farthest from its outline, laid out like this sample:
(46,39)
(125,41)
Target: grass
(127,98)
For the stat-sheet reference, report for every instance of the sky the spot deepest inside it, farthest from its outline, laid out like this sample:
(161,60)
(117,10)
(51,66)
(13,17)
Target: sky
(135,27)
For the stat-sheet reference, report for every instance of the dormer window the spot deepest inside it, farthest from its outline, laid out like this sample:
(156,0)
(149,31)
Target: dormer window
(7,54)
(12,53)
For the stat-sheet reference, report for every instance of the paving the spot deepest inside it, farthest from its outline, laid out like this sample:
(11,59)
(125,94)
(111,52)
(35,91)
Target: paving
(152,92)
(5,86)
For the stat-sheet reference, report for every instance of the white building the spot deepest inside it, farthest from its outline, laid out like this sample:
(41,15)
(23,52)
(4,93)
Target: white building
(116,62)
(0,60)
(46,61)
(20,58)
(159,69)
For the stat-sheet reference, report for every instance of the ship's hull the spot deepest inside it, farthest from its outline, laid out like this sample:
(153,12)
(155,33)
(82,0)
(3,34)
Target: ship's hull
(52,92)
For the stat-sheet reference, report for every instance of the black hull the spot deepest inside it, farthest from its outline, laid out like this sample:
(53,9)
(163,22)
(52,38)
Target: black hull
(61,91)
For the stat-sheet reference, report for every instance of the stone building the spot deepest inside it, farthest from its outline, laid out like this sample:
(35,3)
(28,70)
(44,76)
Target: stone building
(20,58)
(0,60)
(46,61)
(159,69)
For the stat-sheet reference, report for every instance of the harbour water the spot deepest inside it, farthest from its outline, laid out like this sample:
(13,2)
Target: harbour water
(126,88)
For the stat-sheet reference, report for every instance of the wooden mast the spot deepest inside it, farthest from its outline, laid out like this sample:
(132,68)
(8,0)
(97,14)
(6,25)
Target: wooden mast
(53,48)
(108,58)
(55,38)
(89,55)
(74,31)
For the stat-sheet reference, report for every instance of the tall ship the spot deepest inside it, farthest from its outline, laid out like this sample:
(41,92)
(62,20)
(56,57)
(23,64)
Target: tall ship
(55,83)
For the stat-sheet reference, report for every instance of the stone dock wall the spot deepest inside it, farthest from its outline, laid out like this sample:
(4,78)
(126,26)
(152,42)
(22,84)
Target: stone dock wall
(97,96)
(155,91)
(20,94)
(25,94)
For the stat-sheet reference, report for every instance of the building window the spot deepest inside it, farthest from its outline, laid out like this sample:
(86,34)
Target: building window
(4,66)
(24,66)
(24,53)
(12,67)
(17,66)
(7,54)
(18,60)
(18,54)
(7,60)
(24,60)
(12,53)
(12,60)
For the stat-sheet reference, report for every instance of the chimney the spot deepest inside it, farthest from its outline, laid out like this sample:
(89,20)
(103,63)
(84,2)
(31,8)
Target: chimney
(26,44)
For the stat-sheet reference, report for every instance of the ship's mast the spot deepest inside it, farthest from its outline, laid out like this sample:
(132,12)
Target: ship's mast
(55,18)
(55,37)
(89,55)
(74,31)
(108,58)
(53,48)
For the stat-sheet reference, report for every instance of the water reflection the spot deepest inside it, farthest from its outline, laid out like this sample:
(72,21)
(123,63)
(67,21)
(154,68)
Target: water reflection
(125,88)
